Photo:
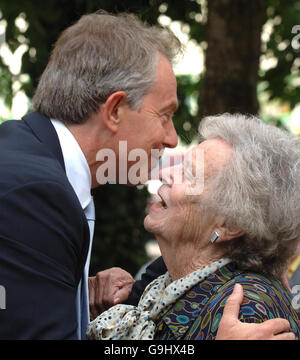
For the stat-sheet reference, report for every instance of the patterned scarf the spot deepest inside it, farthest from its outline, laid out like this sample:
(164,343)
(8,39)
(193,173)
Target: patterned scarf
(127,322)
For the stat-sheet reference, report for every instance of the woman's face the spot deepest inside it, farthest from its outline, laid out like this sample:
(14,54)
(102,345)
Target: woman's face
(179,215)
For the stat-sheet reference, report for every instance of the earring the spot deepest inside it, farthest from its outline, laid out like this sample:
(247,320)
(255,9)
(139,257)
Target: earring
(215,236)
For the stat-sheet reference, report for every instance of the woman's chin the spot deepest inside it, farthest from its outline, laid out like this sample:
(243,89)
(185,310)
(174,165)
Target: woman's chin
(147,223)
(150,225)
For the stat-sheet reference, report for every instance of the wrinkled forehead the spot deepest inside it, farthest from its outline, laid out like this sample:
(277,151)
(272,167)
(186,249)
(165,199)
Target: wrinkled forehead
(211,154)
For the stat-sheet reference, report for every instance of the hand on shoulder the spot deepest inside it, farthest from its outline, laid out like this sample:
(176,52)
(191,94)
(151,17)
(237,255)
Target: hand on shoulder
(231,328)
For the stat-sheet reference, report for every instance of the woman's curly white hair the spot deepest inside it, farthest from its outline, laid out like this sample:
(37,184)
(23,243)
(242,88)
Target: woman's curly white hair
(258,191)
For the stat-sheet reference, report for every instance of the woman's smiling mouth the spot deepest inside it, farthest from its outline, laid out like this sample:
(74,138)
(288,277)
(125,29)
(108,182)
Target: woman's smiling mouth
(159,205)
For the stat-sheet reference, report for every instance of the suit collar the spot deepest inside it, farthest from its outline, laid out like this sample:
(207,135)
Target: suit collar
(45,132)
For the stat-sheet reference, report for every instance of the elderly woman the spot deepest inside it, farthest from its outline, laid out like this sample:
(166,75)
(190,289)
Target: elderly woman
(242,226)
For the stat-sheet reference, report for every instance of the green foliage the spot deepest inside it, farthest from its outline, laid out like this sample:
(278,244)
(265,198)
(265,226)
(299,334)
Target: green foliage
(6,80)
(284,14)
(185,119)
(48,18)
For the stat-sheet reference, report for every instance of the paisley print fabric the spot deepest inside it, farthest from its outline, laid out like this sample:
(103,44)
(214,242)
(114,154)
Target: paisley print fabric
(196,315)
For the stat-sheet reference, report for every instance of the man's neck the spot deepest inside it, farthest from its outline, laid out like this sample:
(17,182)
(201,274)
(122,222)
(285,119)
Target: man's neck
(90,143)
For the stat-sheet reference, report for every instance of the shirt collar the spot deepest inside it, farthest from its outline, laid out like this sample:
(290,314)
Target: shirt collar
(77,169)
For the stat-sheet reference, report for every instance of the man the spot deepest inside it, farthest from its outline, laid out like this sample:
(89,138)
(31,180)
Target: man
(109,80)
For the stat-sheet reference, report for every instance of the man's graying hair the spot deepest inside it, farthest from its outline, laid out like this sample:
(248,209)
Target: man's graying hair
(258,191)
(100,54)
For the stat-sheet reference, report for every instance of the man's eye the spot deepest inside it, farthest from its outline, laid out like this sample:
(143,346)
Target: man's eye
(167,116)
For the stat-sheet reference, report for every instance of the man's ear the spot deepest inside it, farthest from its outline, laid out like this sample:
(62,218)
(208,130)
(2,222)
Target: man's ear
(111,110)
(228,232)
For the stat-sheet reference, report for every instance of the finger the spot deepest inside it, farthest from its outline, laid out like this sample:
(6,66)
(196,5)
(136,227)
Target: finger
(123,290)
(122,275)
(109,282)
(285,336)
(113,287)
(109,289)
(233,303)
(91,298)
(122,294)
(278,325)
(91,291)
(100,283)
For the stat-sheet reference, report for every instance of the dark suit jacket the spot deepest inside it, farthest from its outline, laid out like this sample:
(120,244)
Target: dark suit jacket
(44,234)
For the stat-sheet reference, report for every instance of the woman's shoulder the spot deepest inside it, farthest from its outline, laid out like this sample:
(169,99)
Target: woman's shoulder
(196,315)
(264,298)
(259,289)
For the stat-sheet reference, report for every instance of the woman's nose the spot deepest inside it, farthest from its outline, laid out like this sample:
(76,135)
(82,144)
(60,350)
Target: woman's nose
(171,174)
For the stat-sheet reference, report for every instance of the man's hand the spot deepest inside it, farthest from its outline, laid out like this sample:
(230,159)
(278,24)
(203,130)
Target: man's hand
(230,328)
(108,288)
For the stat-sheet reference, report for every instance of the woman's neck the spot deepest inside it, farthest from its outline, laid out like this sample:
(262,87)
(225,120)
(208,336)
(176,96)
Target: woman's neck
(186,258)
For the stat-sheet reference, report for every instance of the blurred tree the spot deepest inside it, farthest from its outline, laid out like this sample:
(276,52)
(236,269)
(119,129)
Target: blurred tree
(229,31)
(233,36)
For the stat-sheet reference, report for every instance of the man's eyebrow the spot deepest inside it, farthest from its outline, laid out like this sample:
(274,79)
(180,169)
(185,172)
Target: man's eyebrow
(172,106)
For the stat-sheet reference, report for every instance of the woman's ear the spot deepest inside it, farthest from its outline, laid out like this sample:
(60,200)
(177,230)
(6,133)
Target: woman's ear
(111,110)
(228,232)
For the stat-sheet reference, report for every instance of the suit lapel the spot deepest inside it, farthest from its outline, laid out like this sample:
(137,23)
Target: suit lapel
(45,132)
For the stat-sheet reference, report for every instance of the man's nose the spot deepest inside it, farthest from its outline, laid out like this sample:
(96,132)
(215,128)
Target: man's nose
(171,138)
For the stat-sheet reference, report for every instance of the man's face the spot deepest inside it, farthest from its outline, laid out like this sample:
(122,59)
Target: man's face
(151,127)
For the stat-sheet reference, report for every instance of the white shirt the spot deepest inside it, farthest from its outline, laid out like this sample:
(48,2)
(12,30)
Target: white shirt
(79,176)
(77,168)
